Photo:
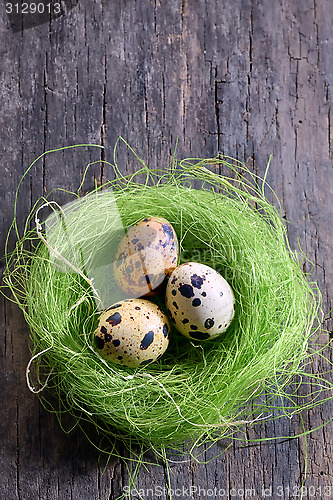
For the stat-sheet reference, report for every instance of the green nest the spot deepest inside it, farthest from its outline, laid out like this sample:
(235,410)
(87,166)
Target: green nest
(197,392)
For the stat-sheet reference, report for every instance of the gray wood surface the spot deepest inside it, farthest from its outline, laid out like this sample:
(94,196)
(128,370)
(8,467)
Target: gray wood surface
(249,78)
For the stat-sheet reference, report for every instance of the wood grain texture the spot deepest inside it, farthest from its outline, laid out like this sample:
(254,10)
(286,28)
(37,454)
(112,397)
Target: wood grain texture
(249,78)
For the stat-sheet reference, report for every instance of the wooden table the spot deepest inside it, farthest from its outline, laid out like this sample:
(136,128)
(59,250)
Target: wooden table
(248,78)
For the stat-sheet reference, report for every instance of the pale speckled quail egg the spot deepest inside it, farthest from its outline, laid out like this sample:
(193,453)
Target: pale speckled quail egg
(146,255)
(200,301)
(132,333)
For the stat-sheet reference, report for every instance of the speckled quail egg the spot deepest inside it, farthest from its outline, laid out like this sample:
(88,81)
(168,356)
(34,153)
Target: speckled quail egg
(132,333)
(200,301)
(146,255)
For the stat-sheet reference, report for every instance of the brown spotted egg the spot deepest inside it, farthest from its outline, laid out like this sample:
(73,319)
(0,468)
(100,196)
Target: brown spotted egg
(146,255)
(132,333)
(200,301)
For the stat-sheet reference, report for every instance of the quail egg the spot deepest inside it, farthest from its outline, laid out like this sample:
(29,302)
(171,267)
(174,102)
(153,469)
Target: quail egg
(146,255)
(132,333)
(200,301)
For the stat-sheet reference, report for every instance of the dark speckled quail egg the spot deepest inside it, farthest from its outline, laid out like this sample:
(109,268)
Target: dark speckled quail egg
(146,255)
(200,301)
(132,333)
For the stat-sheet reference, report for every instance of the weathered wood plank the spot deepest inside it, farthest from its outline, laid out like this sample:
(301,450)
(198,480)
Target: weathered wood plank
(249,78)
